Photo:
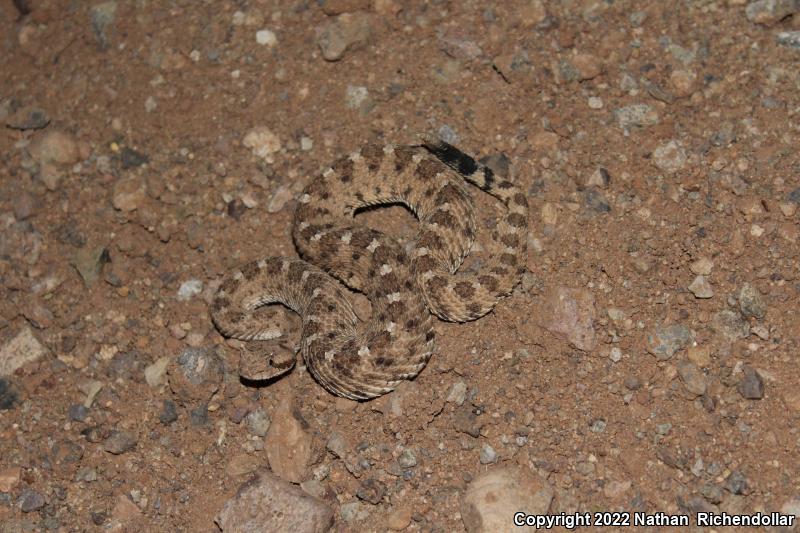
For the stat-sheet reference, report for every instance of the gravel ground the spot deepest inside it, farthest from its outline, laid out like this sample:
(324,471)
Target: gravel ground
(647,362)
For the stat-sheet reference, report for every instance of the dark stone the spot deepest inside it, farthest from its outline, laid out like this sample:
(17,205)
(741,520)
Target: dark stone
(372,491)
(736,483)
(169,413)
(198,417)
(130,158)
(595,201)
(8,395)
(78,412)
(127,366)
(94,434)
(751,385)
(30,501)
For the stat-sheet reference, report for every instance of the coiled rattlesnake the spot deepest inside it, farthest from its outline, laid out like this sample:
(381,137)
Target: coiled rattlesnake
(363,359)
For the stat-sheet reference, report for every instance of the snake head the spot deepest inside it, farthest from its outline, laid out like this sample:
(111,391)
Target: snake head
(265,360)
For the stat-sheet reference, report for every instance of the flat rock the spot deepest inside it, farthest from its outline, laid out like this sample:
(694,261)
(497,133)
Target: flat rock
(348,31)
(769,12)
(751,385)
(789,38)
(730,325)
(288,446)
(666,340)
(155,374)
(693,378)
(569,313)
(242,464)
(102,17)
(119,442)
(263,142)
(702,266)
(55,147)
(267,503)
(670,157)
(9,477)
(751,302)
(124,510)
(28,118)
(23,348)
(492,498)
(129,194)
(31,500)
(89,262)
(636,115)
(701,288)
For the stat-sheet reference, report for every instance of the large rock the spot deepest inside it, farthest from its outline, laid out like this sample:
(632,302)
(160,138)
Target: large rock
(288,446)
(489,504)
(267,504)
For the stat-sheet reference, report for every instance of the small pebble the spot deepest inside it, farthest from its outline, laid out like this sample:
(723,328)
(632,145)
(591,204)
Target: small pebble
(407,459)
(372,491)
(195,375)
(78,412)
(89,262)
(119,442)
(636,115)
(751,385)
(616,354)
(701,288)
(266,38)
(666,340)
(702,266)
(769,12)
(267,503)
(169,413)
(257,422)
(487,455)
(9,397)
(155,374)
(730,325)
(789,38)
(28,118)
(736,483)
(30,501)
(263,143)
(693,378)
(102,16)
(751,302)
(189,289)
(356,96)
(347,31)
(458,393)
(670,157)
(595,102)
(198,417)
(699,355)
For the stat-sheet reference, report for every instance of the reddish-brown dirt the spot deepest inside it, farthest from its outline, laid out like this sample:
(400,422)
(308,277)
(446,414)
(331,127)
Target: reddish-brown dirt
(658,143)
